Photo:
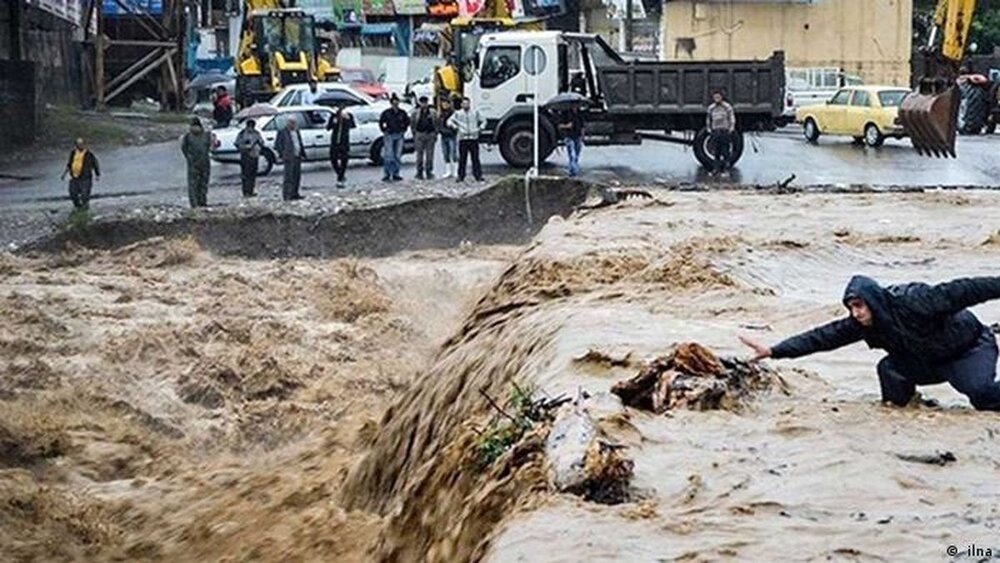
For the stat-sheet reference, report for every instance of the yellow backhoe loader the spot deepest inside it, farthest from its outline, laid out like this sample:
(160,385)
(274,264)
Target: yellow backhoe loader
(277,48)
(930,114)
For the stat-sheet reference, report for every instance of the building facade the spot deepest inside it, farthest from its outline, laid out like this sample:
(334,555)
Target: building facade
(868,38)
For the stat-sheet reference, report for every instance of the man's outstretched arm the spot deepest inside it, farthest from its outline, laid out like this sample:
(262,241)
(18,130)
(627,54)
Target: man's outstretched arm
(951,297)
(830,336)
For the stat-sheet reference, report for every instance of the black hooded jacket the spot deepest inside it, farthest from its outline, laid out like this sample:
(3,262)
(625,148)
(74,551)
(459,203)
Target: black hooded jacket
(914,321)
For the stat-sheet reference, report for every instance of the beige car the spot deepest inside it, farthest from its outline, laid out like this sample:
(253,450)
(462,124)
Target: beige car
(866,113)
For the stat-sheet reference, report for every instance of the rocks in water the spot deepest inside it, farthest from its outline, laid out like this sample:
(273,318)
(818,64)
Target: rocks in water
(692,377)
(582,463)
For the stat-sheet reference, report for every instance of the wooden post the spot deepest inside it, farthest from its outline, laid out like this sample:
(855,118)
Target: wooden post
(99,55)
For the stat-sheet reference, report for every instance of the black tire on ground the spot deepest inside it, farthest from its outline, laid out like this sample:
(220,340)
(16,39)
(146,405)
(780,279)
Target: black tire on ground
(266,162)
(703,149)
(873,137)
(991,126)
(517,144)
(810,130)
(976,110)
(375,153)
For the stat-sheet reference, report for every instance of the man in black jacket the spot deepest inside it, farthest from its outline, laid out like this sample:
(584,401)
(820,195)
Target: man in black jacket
(393,122)
(929,334)
(81,168)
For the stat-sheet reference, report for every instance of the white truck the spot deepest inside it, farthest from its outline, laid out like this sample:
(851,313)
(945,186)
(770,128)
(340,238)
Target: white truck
(628,100)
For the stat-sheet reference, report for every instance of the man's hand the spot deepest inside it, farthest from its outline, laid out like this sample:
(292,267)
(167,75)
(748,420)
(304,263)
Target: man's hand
(760,351)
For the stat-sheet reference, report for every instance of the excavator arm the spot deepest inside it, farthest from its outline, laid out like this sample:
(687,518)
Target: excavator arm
(930,113)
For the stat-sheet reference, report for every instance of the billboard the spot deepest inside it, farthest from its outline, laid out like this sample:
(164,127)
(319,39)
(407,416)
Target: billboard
(129,7)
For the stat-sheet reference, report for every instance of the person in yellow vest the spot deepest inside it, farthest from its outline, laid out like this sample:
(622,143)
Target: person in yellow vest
(81,168)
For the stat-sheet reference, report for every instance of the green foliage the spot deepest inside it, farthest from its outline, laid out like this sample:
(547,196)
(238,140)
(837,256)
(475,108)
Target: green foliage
(985,32)
(78,220)
(520,413)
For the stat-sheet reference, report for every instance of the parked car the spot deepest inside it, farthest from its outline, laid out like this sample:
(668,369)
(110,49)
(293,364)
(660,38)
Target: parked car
(292,95)
(364,80)
(366,138)
(866,113)
(810,86)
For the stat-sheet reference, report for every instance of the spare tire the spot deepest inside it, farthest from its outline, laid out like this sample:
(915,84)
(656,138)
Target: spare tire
(703,148)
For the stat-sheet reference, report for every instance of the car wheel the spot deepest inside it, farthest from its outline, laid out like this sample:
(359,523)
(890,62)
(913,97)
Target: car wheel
(375,153)
(265,163)
(810,130)
(873,137)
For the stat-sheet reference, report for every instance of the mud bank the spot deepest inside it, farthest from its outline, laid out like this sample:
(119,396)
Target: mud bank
(815,463)
(496,215)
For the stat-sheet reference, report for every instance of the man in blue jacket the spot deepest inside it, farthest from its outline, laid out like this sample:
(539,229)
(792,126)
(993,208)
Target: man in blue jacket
(929,333)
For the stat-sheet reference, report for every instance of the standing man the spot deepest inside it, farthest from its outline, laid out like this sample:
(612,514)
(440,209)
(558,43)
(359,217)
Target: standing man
(929,334)
(449,142)
(425,125)
(721,123)
(571,128)
(340,126)
(309,97)
(468,123)
(81,168)
(196,146)
(393,122)
(223,108)
(289,146)
(249,142)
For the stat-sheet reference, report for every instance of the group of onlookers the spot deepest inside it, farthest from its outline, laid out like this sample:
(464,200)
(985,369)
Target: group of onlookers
(459,131)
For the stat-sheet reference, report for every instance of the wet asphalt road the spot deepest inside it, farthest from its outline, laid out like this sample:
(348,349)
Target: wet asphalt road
(155,174)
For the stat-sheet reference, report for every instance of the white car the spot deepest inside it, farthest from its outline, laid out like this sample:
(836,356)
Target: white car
(292,95)
(366,138)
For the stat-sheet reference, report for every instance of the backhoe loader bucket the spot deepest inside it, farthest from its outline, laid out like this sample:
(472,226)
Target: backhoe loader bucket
(931,121)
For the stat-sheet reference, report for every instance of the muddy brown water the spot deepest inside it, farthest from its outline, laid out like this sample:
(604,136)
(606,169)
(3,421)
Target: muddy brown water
(162,402)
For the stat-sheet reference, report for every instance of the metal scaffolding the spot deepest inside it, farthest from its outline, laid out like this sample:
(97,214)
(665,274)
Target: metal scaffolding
(157,44)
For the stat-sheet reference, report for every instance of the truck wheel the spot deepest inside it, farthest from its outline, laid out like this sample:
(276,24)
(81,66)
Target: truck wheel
(976,110)
(517,145)
(873,137)
(265,163)
(703,148)
(375,153)
(810,130)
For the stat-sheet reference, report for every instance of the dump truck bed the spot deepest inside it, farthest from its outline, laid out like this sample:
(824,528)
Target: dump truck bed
(676,93)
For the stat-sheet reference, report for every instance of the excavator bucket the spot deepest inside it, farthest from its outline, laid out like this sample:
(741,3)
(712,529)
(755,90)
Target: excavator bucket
(931,120)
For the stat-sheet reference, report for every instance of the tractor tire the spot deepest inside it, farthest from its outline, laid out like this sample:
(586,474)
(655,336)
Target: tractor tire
(517,144)
(976,110)
(703,148)
(810,130)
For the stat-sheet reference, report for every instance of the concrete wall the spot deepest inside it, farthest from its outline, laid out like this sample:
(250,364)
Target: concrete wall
(17,102)
(870,38)
(51,43)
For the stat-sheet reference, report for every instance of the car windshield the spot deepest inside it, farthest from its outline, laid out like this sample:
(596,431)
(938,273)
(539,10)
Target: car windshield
(357,75)
(892,98)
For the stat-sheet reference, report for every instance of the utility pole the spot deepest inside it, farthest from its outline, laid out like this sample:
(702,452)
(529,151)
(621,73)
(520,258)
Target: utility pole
(99,54)
(628,26)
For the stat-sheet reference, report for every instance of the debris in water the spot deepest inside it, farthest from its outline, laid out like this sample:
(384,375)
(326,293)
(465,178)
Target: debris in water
(692,377)
(937,458)
(604,358)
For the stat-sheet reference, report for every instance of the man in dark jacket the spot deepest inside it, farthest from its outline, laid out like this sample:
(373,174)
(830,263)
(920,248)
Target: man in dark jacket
(81,168)
(393,122)
(425,125)
(289,146)
(340,126)
(249,142)
(196,146)
(929,334)
(571,129)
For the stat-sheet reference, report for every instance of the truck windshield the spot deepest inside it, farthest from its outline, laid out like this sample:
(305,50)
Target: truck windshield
(289,35)
(892,98)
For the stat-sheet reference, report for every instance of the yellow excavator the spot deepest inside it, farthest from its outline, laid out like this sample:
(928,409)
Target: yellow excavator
(277,48)
(930,113)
